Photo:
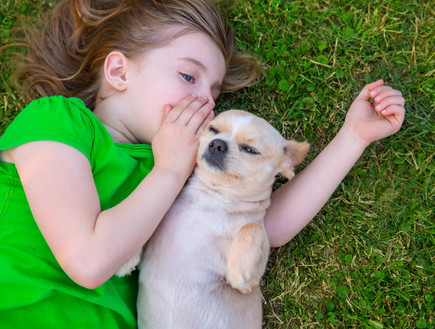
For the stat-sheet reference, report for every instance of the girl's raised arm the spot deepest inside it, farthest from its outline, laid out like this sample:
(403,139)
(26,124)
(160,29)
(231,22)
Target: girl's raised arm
(298,201)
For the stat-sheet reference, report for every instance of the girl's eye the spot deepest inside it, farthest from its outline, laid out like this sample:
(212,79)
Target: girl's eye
(248,149)
(187,77)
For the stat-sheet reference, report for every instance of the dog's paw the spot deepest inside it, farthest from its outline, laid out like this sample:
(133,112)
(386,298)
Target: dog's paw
(247,258)
(130,266)
(240,281)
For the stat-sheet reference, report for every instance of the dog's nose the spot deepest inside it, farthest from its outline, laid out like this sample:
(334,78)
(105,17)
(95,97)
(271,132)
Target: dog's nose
(217,146)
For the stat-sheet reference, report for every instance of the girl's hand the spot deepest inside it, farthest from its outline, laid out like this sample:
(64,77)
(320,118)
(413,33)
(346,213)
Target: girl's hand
(176,143)
(378,120)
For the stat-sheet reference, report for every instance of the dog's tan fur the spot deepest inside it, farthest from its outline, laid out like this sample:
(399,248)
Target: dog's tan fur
(201,268)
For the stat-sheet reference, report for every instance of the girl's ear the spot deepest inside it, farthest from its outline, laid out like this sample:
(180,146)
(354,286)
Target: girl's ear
(115,70)
(294,154)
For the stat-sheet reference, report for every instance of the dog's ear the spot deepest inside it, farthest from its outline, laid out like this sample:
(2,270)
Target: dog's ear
(294,154)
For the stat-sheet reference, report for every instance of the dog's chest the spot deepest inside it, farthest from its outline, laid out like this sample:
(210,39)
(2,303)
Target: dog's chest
(199,216)
(198,227)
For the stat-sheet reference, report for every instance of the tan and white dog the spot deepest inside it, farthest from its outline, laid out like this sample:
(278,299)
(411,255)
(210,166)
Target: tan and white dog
(202,266)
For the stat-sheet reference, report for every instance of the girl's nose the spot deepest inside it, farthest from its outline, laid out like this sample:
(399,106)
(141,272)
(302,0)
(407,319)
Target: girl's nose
(207,93)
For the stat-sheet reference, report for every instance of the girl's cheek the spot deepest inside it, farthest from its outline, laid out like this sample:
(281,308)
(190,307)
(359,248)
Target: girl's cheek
(175,93)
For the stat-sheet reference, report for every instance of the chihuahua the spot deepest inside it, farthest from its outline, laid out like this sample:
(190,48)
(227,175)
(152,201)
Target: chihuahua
(202,266)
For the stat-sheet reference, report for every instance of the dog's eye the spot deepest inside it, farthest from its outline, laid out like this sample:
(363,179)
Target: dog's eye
(248,149)
(213,130)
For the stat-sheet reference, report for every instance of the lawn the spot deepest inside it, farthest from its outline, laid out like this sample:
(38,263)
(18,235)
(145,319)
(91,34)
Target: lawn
(367,259)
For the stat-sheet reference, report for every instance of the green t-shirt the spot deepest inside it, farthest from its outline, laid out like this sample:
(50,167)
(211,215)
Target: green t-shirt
(34,290)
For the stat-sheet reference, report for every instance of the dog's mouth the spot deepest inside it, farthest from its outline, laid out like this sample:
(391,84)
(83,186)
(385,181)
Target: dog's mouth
(214,162)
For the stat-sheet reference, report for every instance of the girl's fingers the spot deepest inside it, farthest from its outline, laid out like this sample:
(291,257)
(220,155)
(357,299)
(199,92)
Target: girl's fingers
(365,92)
(192,112)
(204,124)
(395,114)
(200,117)
(396,110)
(178,109)
(200,105)
(382,90)
(375,84)
(386,93)
(376,91)
(386,102)
(166,110)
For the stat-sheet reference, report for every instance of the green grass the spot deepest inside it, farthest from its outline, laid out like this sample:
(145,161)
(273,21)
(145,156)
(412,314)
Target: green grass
(367,259)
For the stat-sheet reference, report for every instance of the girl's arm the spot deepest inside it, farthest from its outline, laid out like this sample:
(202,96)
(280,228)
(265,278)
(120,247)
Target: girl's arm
(298,201)
(89,244)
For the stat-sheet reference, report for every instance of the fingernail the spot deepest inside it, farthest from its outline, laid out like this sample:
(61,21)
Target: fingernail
(377,99)
(195,95)
(378,107)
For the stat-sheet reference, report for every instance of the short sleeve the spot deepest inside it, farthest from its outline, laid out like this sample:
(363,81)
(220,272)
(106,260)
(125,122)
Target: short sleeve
(54,118)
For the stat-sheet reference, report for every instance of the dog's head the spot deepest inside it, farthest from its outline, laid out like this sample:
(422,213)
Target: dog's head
(241,154)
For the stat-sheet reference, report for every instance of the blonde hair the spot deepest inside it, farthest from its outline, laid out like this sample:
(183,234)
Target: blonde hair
(66,57)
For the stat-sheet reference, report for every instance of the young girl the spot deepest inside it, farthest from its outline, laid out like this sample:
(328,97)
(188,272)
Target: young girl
(84,190)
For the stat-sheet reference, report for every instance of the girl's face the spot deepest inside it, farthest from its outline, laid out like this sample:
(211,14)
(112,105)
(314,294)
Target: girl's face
(190,64)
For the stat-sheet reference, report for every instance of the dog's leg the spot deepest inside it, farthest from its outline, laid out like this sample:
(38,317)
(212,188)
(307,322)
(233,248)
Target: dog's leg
(128,267)
(247,257)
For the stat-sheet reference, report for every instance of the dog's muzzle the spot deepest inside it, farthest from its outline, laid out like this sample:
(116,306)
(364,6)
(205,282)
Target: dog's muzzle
(216,153)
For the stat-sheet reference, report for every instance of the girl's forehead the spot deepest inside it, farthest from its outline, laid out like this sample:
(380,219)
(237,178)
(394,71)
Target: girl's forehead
(195,48)
(192,41)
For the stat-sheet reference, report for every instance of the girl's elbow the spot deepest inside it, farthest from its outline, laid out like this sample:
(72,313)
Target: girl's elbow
(89,282)
(89,276)
(278,239)
(276,242)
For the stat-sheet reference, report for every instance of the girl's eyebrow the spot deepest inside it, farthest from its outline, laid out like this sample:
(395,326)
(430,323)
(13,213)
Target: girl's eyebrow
(201,66)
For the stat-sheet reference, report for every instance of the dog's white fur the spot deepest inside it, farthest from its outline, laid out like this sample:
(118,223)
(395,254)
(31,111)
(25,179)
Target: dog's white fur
(202,266)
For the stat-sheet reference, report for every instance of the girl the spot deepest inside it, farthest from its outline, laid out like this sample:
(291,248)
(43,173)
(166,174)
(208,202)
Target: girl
(84,189)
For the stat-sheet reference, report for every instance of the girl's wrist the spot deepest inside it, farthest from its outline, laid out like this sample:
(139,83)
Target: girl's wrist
(172,175)
(350,139)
